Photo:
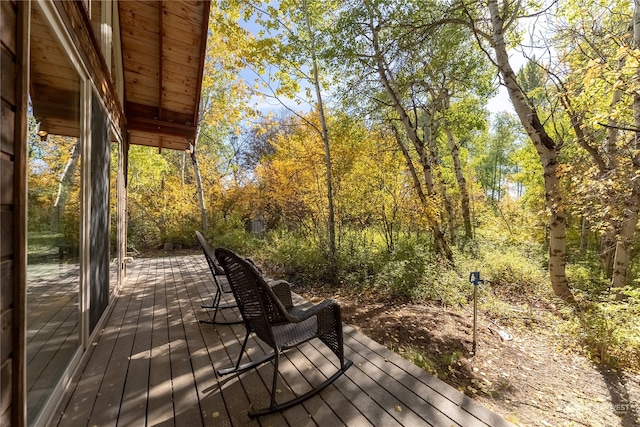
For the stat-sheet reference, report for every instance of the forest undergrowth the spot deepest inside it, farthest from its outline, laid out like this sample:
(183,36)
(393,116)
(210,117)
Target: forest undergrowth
(525,368)
(538,360)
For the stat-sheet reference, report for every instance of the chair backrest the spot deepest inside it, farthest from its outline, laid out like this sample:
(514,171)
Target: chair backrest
(209,255)
(259,306)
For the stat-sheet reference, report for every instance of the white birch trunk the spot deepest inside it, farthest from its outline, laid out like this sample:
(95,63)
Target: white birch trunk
(66,178)
(200,192)
(331,222)
(462,185)
(547,151)
(440,241)
(629,225)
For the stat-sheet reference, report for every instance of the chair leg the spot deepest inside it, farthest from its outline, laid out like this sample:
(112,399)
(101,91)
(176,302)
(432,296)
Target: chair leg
(238,368)
(297,400)
(275,379)
(215,301)
(234,368)
(216,306)
(218,297)
(221,322)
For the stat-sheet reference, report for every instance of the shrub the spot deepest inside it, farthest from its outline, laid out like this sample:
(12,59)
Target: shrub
(608,330)
(143,234)
(515,272)
(414,271)
(237,240)
(402,272)
(443,284)
(360,259)
(585,279)
(295,258)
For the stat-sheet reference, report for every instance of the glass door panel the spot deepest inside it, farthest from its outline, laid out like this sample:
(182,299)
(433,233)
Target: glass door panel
(54,215)
(114,266)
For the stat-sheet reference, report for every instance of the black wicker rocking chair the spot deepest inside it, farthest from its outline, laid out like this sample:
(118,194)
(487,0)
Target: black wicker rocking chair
(219,279)
(268,312)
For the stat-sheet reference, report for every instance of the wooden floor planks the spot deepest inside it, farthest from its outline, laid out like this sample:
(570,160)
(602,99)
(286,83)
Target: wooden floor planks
(154,364)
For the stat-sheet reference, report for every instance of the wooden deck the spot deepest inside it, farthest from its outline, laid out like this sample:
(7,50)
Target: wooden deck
(154,364)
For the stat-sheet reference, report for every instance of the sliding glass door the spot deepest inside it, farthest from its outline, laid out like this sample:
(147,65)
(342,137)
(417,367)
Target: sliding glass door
(54,246)
(73,264)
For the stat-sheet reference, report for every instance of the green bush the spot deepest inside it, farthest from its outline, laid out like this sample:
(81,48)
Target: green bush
(514,277)
(414,271)
(237,240)
(143,234)
(515,272)
(584,278)
(401,272)
(444,285)
(359,269)
(608,330)
(294,257)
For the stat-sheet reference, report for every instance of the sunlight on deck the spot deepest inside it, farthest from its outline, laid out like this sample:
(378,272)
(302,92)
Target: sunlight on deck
(154,363)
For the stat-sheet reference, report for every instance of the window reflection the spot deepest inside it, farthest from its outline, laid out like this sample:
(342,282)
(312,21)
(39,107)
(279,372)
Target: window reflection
(113,218)
(54,200)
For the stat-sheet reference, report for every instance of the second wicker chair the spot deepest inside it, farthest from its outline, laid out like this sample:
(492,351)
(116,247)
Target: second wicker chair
(219,280)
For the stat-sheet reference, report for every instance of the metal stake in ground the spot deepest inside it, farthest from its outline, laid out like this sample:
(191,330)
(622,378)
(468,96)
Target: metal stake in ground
(474,277)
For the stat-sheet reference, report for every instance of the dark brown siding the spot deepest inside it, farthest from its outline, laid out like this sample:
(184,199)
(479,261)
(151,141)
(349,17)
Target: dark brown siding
(13,19)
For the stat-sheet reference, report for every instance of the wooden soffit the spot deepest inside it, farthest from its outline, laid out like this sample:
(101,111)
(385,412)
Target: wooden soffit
(163,50)
(54,80)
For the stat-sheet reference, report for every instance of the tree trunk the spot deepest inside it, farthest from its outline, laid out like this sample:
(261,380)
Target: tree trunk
(200,192)
(66,179)
(441,187)
(462,185)
(183,165)
(388,229)
(441,245)
(547,150)
(412,170)
(624,242)
(607,245)
(331,222)
(584,234)
(629,224)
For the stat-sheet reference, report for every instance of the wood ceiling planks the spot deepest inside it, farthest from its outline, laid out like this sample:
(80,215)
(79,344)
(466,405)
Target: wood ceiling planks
(163,49)
(55,83)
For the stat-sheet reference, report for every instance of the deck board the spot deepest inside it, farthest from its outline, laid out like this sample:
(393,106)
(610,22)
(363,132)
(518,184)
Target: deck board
(135,393)
(154,364)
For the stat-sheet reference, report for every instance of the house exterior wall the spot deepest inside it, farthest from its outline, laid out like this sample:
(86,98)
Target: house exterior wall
(85,38)
(13,63)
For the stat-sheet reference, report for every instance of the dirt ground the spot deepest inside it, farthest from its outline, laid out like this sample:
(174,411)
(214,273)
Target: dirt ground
(530,378)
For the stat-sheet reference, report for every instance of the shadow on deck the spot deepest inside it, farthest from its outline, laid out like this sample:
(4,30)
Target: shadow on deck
(155,364)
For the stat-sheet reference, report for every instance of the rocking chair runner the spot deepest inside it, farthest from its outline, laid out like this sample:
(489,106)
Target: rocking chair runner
(218,278)
(268,312)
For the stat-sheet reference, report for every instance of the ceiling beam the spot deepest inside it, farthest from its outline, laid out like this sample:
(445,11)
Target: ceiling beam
(161,127)
(153,112)
(75,18)
(160,61)
(204,31)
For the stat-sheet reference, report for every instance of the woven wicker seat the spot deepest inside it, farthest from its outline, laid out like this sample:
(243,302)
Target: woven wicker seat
(220,281)
(269,313)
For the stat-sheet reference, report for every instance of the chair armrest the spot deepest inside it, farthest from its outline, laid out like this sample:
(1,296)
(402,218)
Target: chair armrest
(326,309)
(282,290)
